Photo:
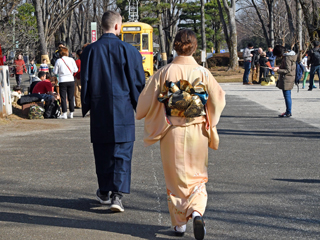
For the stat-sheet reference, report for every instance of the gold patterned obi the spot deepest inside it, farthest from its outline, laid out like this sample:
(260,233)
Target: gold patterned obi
(182,99)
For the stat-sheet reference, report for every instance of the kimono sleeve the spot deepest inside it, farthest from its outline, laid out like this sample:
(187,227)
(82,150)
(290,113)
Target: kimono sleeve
(215,105)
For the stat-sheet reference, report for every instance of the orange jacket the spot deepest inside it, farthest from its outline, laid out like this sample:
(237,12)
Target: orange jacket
(20,66)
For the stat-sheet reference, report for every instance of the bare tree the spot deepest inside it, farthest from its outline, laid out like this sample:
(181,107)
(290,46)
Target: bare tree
(50,15)
(230,31)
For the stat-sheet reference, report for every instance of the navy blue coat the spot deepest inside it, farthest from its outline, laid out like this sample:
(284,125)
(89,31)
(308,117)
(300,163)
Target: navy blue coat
(112,79)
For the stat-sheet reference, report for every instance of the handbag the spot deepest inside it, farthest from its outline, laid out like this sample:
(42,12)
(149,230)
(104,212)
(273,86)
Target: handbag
(67,65)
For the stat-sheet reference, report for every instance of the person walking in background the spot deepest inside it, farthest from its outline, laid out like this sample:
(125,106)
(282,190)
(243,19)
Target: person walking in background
(271,58)
(77,81)
(185,129)
(112,78)
(255,65)
(247,58)
(264,69)
(287,72)
(306,71)
(314,61)
(20,66)
(32,70)
(44,66)
(64,68)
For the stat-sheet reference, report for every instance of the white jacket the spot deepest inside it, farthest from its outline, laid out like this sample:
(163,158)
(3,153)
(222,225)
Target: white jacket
(304,63)
(60,68)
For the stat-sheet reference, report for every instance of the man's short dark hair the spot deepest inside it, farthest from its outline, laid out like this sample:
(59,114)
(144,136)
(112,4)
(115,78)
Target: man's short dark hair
(250,45)
(41,74)
(316,43)
(270,47)
(61,43)
(109,18)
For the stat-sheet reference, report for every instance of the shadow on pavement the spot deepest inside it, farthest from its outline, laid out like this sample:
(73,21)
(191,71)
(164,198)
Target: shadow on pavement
(298,180)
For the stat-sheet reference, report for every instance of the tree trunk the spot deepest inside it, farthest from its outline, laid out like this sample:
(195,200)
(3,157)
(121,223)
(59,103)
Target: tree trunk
(232,27)
(311,19)
(42,40)
(203,29)
(265,33)
(161,37)
(299,25)
(271,23)
(290,22)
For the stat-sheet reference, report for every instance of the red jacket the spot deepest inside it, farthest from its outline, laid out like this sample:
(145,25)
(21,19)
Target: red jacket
(77,74)
(20,66)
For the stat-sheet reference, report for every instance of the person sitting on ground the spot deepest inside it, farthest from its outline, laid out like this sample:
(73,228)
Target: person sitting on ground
(36,80)
(264,69)
(44,88)
(44,66)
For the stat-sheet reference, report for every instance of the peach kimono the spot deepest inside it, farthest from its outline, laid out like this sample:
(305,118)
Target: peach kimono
(183,141)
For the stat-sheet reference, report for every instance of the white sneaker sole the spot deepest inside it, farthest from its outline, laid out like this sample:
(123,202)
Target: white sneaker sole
(103,202)
(116,208)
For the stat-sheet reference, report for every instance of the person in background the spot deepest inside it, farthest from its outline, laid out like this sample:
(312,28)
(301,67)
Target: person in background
(32,70)
(271,58)
(65,67)
(255,64)
(306,71)
(112,78)
(247,58)
(314,61)
(287,75)
(44,66)
(184,139)
(77,81)
(20,66)
(264,69)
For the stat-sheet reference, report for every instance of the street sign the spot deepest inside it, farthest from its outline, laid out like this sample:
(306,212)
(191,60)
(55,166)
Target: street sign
(93,32)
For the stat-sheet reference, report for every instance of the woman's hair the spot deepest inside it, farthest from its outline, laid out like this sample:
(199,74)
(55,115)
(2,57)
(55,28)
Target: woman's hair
(63,51)
(79,53)
(279,50)
(84,46)
(48,75)
(185,42)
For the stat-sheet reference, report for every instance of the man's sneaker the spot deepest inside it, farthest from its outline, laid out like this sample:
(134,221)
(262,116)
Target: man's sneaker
(199,229)
(103,199)
(116,204)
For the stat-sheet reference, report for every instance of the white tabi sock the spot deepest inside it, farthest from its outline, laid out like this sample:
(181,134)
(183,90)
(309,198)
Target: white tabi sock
(181,228)
(195,214)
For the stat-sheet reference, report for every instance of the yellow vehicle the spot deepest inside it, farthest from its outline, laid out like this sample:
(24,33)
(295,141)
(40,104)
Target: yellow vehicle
(139,35)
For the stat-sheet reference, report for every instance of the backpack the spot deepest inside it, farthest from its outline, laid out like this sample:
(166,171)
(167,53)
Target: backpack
(315,57)
(36,112)
(52,110)
(299,73)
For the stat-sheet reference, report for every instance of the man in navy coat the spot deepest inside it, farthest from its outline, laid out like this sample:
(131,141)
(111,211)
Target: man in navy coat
(271,58)
(112,79)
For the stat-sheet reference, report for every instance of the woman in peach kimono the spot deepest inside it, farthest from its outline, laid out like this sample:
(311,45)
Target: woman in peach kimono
(182,104)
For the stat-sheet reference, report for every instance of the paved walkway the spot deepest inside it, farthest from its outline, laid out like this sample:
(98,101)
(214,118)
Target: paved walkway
(263,181)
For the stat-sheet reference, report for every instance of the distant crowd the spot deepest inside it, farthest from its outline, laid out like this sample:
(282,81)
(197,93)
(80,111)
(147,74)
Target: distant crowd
(57,82)
(289,72)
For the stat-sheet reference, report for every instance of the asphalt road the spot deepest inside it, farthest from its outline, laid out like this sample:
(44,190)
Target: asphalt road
(263,181)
